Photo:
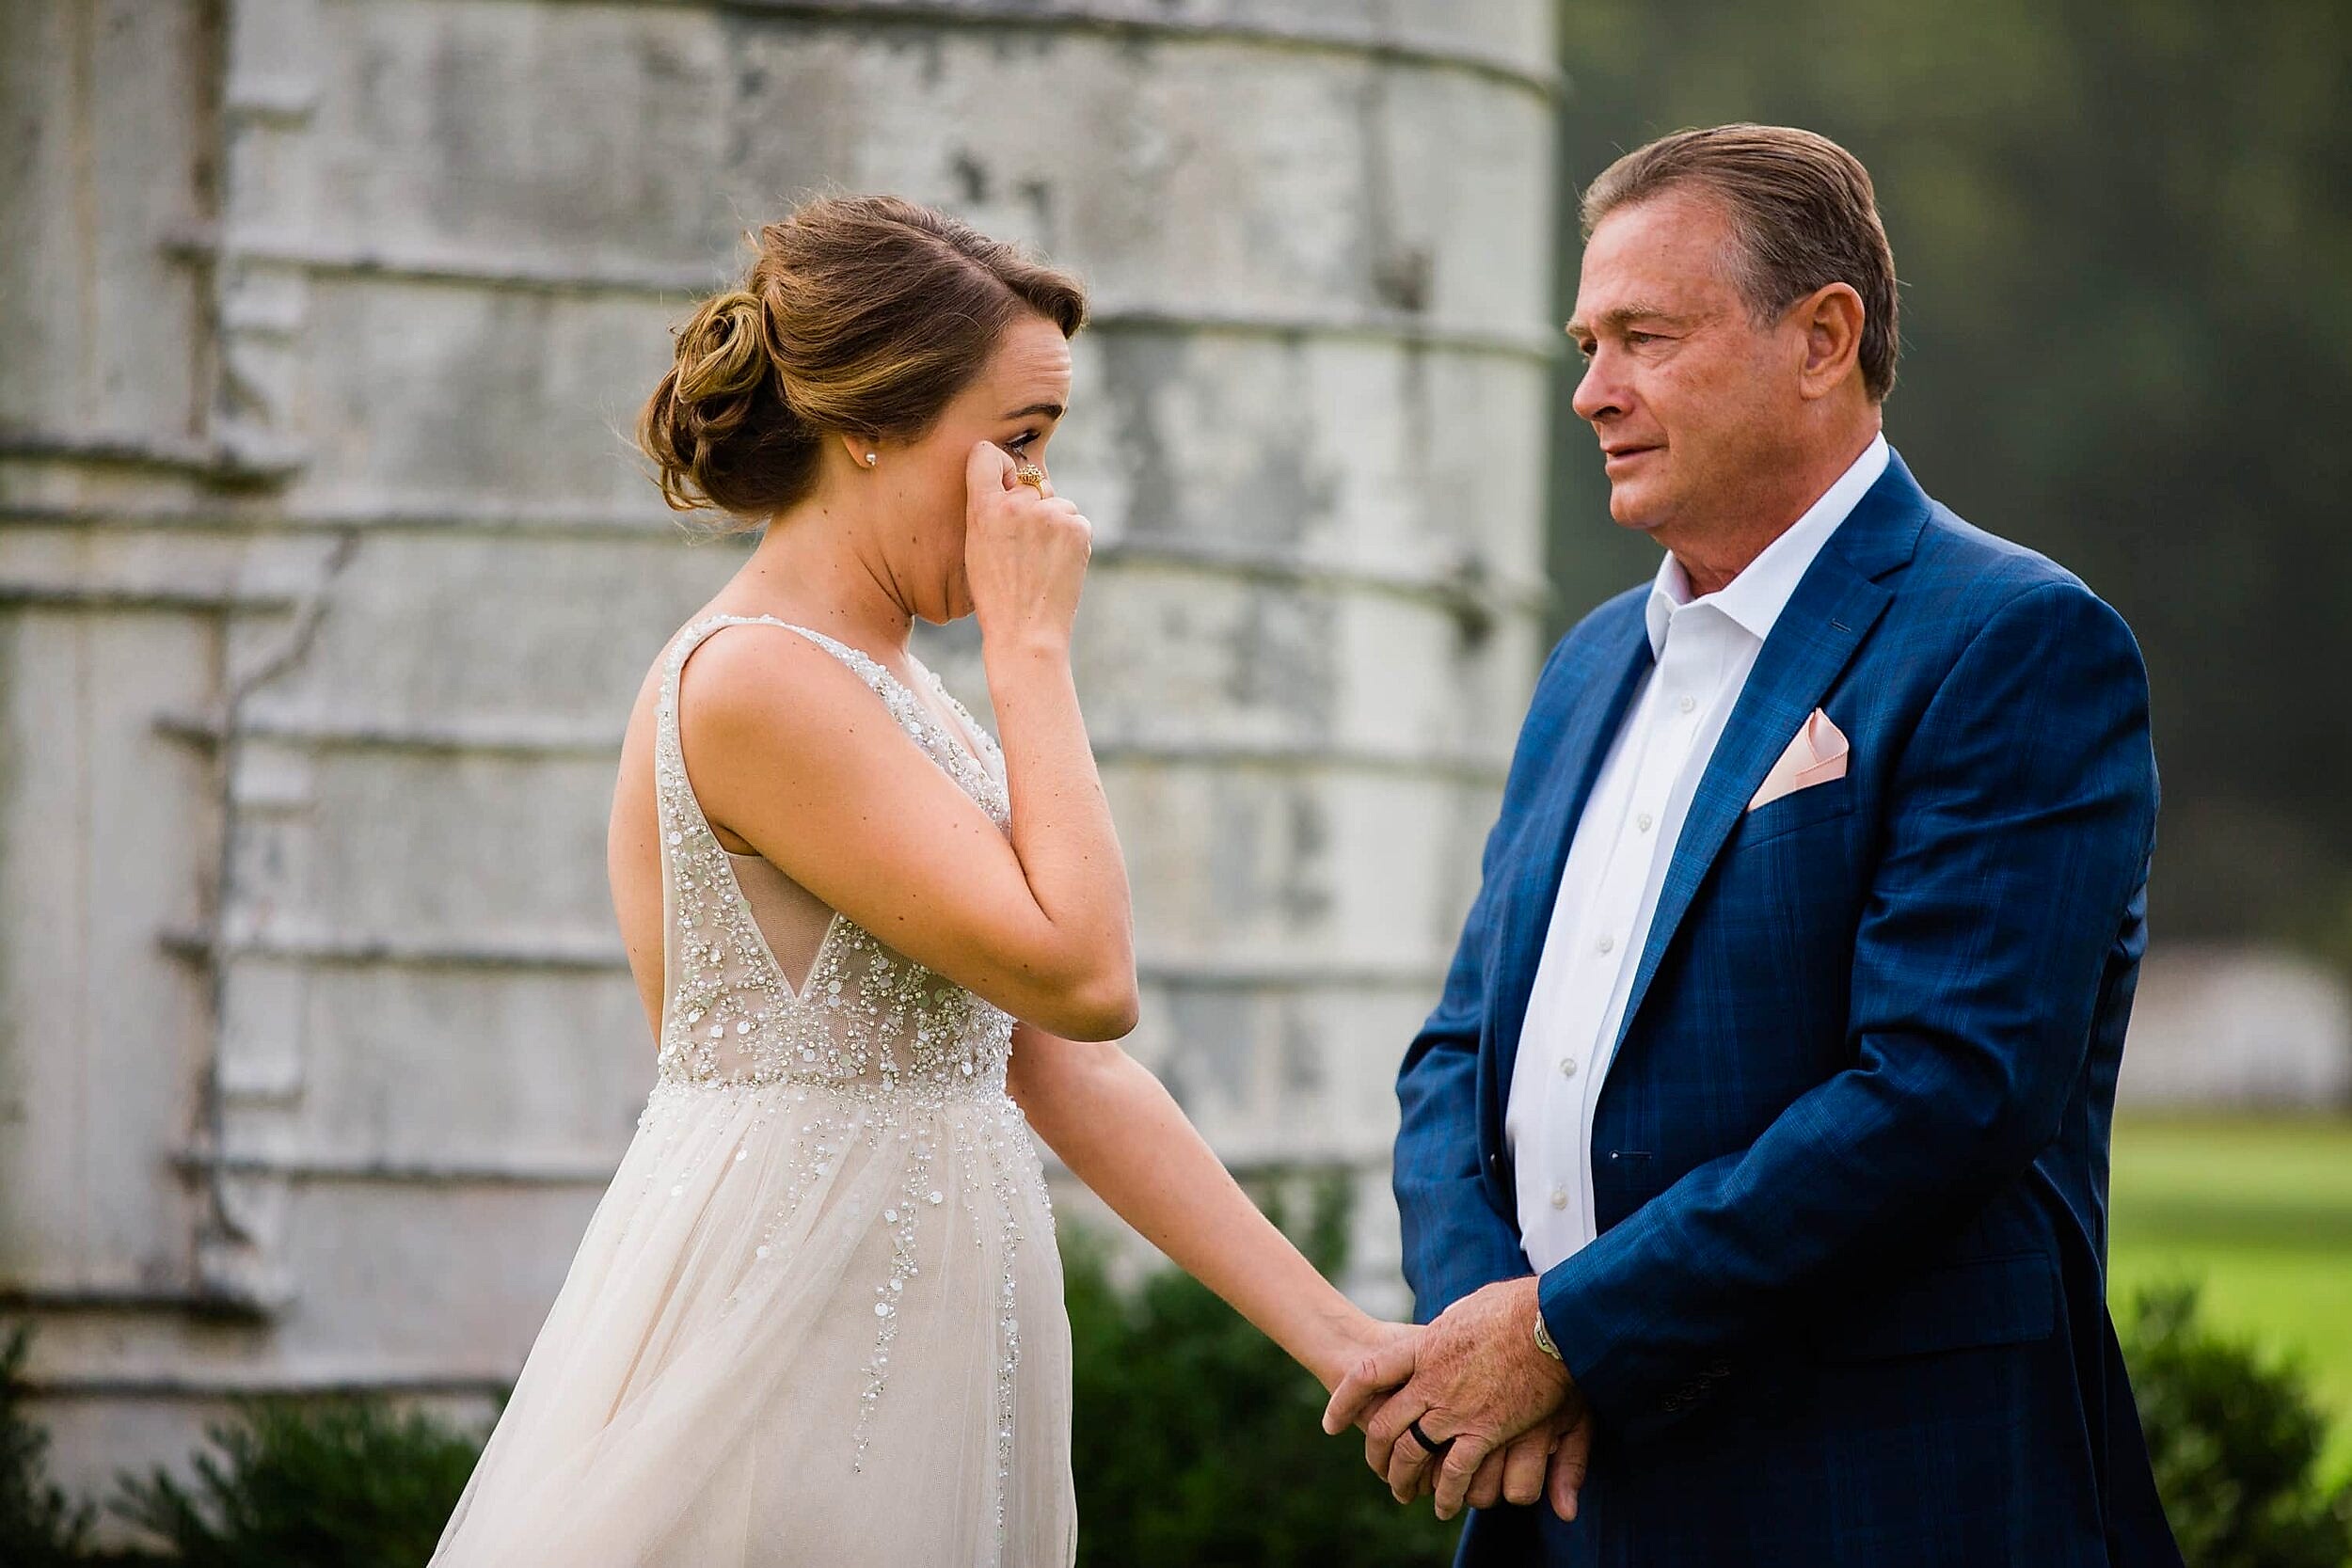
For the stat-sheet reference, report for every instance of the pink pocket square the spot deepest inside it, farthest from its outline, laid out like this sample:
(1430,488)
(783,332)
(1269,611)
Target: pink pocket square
(1817,755)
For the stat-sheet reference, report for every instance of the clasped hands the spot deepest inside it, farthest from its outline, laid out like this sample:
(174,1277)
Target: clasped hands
(1519,1429)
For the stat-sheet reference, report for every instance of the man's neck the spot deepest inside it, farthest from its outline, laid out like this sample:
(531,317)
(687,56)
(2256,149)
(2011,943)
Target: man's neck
(1711,561)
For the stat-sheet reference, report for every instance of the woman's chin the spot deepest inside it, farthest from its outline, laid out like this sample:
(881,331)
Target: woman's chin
(954,608)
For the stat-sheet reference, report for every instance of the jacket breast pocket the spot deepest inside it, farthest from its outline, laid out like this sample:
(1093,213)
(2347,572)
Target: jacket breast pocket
(1967,1306)
(1819,802)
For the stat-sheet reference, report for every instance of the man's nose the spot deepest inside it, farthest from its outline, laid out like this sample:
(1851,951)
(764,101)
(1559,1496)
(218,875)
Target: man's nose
(1597,395)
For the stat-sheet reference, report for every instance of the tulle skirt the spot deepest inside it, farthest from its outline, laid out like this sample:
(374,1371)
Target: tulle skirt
(808,1324)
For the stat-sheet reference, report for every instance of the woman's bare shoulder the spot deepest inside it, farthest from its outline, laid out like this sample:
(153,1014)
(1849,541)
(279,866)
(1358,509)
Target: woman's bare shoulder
(780,734)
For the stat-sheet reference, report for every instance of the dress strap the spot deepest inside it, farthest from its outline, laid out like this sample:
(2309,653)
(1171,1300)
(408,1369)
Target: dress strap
(921,726)
(863,665)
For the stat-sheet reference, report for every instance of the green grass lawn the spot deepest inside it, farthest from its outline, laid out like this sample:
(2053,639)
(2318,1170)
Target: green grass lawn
(2260,1212)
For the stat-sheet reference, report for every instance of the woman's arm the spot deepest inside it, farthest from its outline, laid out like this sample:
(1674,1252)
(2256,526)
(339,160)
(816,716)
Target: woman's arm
(1119,1131)
(788,748)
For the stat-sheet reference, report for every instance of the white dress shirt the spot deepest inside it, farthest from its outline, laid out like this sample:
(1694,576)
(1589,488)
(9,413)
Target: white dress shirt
(1703,649)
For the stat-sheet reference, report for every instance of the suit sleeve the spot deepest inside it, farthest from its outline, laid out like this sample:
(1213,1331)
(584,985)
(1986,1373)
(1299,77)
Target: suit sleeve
(1456,1241)
(2018,825)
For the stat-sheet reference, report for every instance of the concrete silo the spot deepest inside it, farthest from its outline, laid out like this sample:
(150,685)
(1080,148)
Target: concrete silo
(326,581)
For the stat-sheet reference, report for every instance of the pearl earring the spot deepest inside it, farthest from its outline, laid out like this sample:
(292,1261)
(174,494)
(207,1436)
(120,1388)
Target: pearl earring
(872,458)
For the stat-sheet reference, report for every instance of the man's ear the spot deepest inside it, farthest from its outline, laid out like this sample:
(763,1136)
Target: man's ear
(1831,317)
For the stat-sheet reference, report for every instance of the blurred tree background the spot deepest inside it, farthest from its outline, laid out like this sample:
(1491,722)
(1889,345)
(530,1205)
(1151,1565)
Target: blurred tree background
(2124,233)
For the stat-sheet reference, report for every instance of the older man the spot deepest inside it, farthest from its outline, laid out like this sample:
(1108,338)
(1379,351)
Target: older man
(1759,1141)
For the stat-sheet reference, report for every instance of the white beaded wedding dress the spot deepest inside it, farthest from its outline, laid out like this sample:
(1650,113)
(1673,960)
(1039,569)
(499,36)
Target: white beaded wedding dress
(817,1316)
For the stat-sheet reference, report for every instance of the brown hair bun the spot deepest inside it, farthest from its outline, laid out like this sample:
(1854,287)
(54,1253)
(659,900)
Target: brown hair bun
(863,315)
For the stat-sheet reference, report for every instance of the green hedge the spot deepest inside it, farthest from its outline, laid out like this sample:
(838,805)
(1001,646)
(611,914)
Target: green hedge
(1197,1442)
(40,1526)
(335,1484)
(2236,1444)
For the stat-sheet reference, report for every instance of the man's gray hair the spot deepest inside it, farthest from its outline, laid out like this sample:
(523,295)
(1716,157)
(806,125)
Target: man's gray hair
(1804,212)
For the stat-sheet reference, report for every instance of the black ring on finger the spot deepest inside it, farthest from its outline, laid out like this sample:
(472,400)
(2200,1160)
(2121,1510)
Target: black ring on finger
(1437,1450)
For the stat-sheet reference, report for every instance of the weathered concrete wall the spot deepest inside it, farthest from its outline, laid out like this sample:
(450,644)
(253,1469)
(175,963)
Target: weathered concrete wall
(325,581)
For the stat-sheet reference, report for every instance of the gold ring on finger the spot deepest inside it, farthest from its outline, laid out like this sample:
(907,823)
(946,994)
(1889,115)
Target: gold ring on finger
(1032,476)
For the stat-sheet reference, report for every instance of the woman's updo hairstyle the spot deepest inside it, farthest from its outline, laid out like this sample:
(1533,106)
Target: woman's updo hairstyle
(862,315)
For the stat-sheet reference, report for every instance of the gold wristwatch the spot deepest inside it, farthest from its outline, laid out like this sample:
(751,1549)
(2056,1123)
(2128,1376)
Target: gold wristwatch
(1543,1340)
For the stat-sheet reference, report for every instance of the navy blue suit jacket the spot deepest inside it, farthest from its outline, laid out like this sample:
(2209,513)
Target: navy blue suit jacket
(1848,1302)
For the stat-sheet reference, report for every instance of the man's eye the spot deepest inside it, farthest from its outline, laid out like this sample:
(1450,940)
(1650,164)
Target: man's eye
(1585,348)
(1641,337)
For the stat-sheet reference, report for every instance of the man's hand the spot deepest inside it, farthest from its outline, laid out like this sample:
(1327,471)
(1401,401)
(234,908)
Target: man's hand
(1477,1378)
(1547,1461)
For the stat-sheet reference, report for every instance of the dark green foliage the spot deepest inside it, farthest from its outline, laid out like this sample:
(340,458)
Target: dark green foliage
(2236,1445)
(315,1483)
(1199,1442)
(39,1526)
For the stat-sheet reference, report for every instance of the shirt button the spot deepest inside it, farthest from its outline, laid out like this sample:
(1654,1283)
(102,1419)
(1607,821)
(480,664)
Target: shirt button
(1644,822)
(1688,703)
(1568,1066)
(1559,1197)
(1607,945)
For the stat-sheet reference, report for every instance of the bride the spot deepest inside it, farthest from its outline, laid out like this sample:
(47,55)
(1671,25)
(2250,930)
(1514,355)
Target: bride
(817,1316)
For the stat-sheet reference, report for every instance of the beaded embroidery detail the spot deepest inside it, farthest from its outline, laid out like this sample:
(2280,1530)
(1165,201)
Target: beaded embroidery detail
(732,1017)
(872,1046)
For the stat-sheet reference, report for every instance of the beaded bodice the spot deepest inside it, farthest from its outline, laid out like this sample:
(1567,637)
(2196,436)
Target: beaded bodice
(863,1015)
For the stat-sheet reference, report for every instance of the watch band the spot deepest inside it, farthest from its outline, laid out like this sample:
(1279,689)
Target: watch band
(1543,1340)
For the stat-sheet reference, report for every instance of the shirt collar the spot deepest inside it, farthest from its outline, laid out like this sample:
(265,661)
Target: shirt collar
(1755,599)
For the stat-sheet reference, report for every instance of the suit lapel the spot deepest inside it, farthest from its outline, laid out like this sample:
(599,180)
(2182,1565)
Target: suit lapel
(1813,641)
(1585,735)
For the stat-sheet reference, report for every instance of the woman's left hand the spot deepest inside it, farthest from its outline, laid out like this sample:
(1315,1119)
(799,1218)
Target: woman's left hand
(1355,1342)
